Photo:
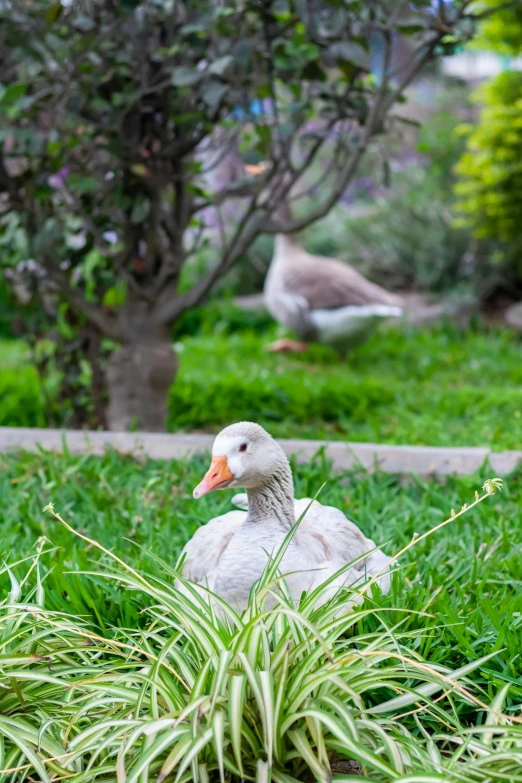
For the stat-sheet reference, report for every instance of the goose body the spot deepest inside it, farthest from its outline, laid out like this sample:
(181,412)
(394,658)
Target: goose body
(323,299)
(230,552)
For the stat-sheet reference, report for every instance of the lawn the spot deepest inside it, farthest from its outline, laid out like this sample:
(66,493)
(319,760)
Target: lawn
(455,599)
(108,673)
(126,504)
(439,386)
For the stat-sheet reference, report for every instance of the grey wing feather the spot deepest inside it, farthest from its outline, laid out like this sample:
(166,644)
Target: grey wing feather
(205,548)
(328,284)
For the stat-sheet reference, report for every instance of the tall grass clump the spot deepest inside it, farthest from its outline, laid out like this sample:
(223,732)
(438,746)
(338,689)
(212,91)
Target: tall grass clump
(201,693)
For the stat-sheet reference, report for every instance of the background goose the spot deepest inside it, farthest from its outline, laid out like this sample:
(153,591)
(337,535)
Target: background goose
(230,552)
(323,299)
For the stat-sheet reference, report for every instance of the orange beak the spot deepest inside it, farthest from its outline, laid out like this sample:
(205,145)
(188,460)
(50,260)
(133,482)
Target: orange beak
(218,476)
(255,169)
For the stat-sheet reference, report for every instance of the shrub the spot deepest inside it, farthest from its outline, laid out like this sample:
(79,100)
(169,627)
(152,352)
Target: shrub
(410,242)
(290,401)
(223,317)
(490,186)
(490,189)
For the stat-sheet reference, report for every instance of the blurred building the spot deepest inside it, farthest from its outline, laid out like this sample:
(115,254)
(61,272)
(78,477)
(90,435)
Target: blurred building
(474,66)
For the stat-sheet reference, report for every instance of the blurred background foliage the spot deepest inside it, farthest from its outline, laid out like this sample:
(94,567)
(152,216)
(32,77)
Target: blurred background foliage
(489,186)
(435,208)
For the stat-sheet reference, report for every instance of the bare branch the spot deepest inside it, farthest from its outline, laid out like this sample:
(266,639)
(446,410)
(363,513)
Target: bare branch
(150,90)
(490,11)
(222,153)
(248,229)
(250,186)
(239,242)
(184,146)
(379,110)
(9,185)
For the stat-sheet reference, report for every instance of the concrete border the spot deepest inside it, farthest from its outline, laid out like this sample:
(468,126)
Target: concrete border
(422,460)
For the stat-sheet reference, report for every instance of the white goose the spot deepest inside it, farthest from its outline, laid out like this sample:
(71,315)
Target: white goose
(229,553)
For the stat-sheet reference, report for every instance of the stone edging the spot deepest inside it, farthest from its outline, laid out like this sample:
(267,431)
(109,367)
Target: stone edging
(422,460)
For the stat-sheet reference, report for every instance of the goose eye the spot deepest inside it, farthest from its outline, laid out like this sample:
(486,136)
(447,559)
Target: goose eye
(243,447)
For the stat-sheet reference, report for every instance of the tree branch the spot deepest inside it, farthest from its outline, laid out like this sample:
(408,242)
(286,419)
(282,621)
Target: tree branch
(107,324)
(490,11)
(172,309)
(8,184)
(379,110)
(246,232)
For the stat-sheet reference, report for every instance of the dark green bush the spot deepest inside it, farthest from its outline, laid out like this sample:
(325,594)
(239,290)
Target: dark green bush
(220,316)
(410,241)
(195,403)
(7,310)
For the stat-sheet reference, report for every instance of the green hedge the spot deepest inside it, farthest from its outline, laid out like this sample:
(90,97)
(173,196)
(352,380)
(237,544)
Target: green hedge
(195,403)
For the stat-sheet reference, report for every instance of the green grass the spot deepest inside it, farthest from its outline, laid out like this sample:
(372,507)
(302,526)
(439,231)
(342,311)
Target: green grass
(122,503)
(14,354)
(117,669)
(21,399)
(436,387)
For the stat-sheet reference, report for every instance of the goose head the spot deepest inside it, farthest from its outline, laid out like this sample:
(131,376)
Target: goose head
(243,455)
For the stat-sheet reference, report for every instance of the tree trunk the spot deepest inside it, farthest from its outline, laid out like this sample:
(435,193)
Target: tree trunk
(139,377)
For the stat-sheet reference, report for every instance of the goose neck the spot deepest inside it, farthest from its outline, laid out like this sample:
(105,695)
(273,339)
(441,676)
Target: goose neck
(273,502)
(283,244)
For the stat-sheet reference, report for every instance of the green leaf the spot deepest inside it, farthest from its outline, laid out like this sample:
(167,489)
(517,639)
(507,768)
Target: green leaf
(194,29)
(218,732)
(81,184)
(115,296)
(140,210)
(313,72)
(350,51)
(139,169)
(12,94)
(52,14)
(264,134)
(84,23)
(16,590)
(53,148)
(149,754)
(264,91)
(236,704)
(186,77)
(213,93)
(300,740)
(400,702)
(221,65)
(197,745)
(92,261)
